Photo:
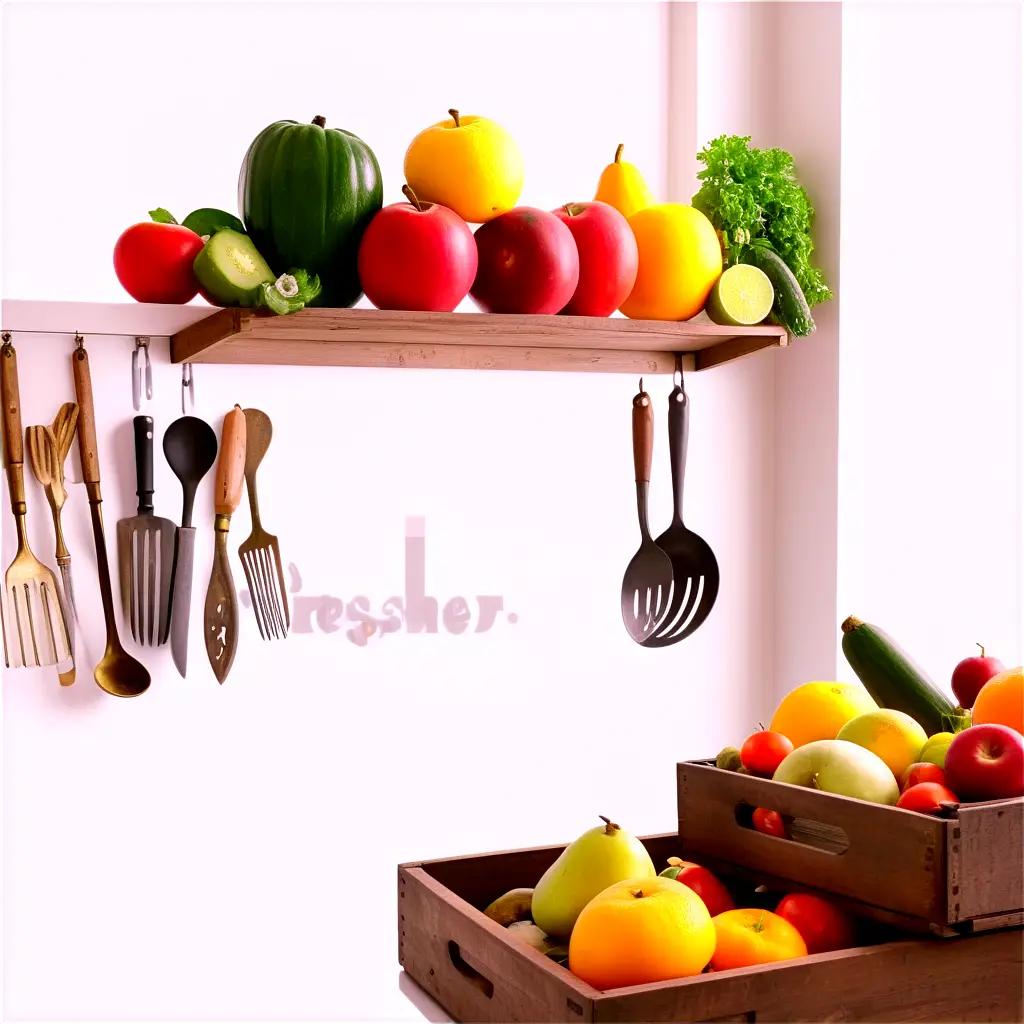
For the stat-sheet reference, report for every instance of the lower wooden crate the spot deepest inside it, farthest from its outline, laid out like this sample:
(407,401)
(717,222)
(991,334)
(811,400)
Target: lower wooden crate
(949,876)
(478,972)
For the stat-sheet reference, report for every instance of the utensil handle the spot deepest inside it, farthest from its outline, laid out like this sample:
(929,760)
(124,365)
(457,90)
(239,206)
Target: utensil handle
(144,463)
(14,444)
(643,436)
(87,449)
(231,464)
(678,438)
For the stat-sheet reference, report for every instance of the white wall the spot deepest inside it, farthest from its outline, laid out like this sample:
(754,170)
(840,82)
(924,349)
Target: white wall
(930,430)
(236,846)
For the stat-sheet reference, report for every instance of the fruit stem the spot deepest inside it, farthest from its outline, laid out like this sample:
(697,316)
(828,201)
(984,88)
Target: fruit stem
(851,623)
(610,828)
(412,197)
(980,647)
(320,121)
(759,924)
(569,213)
(618,151)
(637,893)
(675,862)
(455,117)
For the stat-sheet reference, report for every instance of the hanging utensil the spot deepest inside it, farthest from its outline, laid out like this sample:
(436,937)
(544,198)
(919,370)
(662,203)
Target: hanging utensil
(220,615)
(117,672)
(694,566)
(648,578)
(47,469)
(35,622)
(260,554)
(190,445)
(141,374)
(145,551)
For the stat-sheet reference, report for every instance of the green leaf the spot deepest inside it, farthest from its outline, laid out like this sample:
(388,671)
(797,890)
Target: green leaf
(208,221)
(162,216)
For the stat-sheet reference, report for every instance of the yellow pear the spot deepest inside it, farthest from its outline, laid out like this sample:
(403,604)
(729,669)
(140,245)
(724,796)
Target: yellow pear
(621,185)
(601,857)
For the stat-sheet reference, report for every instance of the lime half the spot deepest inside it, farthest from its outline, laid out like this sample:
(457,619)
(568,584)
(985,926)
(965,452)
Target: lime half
(742,296)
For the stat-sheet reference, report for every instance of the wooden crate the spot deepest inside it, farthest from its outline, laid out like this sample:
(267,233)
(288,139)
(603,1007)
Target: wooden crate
(478,972)
(948,876)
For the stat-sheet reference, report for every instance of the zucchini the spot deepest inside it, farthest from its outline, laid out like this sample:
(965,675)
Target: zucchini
(892,678)
(790,306)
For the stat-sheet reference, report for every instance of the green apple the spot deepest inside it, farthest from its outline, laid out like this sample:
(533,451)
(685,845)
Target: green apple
(934,750)
(839,766)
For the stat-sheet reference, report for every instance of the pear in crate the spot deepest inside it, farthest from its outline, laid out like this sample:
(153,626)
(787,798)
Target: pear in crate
(601,857)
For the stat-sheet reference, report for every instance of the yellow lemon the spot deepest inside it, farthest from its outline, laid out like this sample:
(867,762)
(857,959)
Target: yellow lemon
(818,710)
(680,260)
(469,164)
(892,735)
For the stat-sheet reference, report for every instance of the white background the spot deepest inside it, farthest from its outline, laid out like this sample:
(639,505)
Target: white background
(228,853)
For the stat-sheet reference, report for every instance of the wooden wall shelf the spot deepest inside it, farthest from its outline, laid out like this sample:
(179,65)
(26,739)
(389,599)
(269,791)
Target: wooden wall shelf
(463,341)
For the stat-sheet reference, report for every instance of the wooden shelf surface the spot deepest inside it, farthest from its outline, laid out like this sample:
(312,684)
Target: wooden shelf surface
(464,341)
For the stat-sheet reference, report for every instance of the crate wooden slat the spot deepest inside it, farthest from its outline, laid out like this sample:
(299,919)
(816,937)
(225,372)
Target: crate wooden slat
(477,972)
(956,875)
(465,341)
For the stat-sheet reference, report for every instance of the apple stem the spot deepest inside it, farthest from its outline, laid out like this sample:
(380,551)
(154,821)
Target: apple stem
(455,117)
(637,893)
(618,151)
(759,925)
(320,121)
(851,623)
(610,828)
(980,648)
(412,197)
(569,213)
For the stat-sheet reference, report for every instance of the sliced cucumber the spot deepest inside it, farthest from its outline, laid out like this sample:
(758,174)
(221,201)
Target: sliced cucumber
(230,270)
(209,221)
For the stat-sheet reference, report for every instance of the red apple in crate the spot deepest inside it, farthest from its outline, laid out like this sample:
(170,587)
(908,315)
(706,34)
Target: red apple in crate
(972,674)
(986,762)
(703,882)
(417,256)
(608,257)
(922,771)
(527,263)
(823,926)
(927,798)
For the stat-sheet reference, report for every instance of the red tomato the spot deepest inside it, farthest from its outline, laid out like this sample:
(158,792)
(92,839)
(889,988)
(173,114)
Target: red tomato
(154,261)
(922,771)
(927,798)
(763,752)
(769,822)
(703,882)
(822,924)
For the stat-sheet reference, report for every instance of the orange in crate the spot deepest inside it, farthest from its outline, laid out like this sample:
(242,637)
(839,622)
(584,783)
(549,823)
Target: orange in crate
(1001,700)
(747,937)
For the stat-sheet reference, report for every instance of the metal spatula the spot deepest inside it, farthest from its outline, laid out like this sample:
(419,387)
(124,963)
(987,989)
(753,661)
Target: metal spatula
(34,619)
(648,579)
(145,551)
(694,566)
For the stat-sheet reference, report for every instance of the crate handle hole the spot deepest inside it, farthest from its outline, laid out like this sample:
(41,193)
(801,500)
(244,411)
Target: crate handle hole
(818,835)
(471,974)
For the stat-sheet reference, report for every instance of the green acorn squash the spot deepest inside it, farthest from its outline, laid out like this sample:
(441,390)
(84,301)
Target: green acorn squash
(306,194)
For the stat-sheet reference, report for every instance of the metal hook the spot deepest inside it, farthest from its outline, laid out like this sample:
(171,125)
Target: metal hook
(6,339)
(79,341)
(188,388)
(679,370)
(137,374)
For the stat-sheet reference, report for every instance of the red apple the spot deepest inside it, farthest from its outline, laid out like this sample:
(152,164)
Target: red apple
(823,926)
(417,256)
(922,771)
(927,797)
(528,263)
(703,882)
(986,762)
(608,257)
(972,674)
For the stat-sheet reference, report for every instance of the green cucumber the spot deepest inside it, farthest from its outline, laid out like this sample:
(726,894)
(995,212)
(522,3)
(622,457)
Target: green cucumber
(230,270)
(208,221)
(790,307)
(892,678)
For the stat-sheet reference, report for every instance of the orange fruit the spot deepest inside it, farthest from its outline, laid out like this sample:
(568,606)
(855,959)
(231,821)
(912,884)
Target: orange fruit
(746,937)
(680,260)
(1001,700)
(817,711)
(639,931)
